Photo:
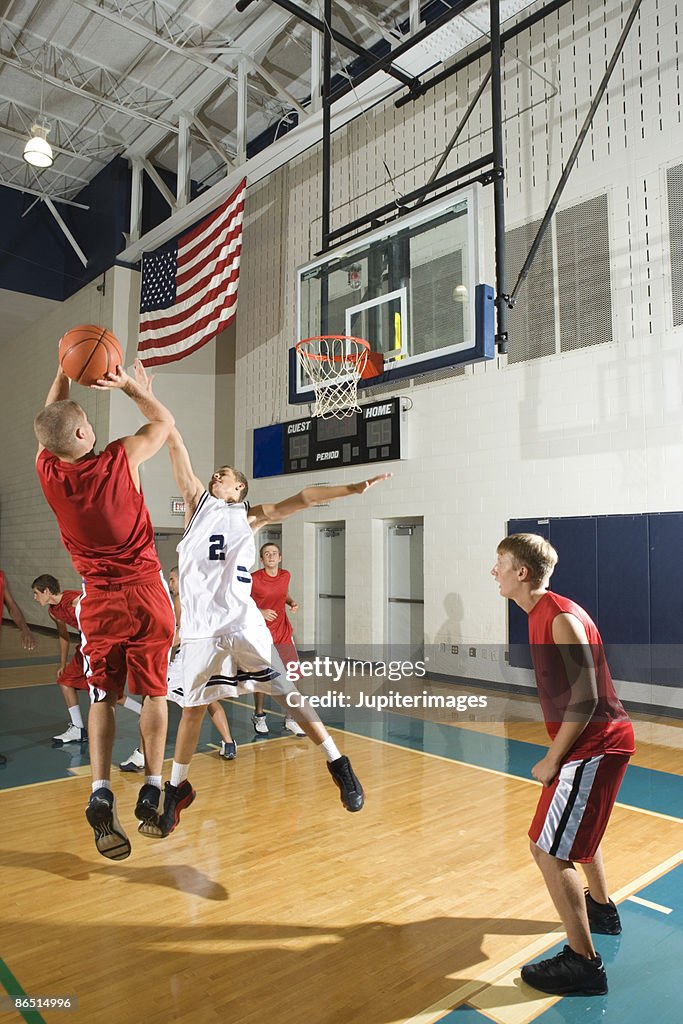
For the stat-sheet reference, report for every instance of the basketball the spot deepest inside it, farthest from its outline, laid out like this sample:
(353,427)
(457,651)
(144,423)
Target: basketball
(87,352)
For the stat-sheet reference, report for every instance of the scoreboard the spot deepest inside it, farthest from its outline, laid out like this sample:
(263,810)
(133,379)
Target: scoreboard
(300,446)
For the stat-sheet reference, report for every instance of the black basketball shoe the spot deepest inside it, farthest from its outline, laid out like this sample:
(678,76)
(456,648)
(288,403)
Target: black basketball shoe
(110,839)
(350,789)
(147,807)
(603,917)
(176,799)
(566,973)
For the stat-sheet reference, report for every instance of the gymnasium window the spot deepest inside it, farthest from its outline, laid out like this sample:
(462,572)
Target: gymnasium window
(566,302)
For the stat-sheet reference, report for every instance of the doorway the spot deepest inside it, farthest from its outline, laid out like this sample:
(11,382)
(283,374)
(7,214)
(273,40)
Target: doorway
(405,589)
(330,626)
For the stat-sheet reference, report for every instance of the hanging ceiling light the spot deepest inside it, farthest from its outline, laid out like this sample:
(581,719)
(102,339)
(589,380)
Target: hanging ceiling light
(38,151)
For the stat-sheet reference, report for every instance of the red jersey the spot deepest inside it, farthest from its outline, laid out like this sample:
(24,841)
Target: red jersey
(65,611)
(609,730)
(271,592)
(102,517)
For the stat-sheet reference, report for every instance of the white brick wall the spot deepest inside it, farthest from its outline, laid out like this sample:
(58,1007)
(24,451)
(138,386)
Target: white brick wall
(587,432)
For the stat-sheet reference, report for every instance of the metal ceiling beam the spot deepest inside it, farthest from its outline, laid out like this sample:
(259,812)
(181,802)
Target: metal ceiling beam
(188,52)
(339,37)
(42,195)
(67,234)
(253,40)
(367,19)
(75,68)
(69,134)
(160,184)
(279,89)
(226,157)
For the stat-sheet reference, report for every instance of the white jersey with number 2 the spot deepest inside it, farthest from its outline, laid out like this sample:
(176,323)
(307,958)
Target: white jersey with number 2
(214,556)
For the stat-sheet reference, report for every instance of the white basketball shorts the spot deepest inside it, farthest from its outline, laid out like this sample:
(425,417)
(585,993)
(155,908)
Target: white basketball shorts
(227,666)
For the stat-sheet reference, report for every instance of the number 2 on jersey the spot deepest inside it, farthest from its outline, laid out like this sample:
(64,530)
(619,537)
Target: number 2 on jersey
(217,547)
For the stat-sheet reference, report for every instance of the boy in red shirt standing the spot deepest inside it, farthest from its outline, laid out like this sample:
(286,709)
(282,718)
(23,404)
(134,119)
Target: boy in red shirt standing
(61,607)
(125,613)
(592,741)
(270,593)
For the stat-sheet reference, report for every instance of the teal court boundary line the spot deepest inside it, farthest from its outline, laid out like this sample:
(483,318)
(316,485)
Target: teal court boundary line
(13,988)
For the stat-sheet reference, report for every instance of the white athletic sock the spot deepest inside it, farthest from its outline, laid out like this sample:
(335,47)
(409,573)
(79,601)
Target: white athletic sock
(101,784)
(179,773)
(76,716)
(132,705)
(153,780)
(330,749)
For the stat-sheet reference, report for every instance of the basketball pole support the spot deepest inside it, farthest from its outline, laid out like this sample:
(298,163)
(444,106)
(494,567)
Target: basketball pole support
(543,227)
(501,300)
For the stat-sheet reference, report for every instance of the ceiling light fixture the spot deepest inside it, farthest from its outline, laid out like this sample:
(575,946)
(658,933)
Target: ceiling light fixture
(38,151)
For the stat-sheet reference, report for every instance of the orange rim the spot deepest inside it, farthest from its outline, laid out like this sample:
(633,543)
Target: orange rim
(331,337)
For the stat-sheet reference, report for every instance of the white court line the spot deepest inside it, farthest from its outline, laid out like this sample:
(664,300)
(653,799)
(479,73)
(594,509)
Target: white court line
(497,971)
(495,771)
(650,904)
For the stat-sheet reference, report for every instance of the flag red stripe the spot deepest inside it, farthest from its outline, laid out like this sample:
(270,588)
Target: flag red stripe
(213,216)
(206,336)
(216,240)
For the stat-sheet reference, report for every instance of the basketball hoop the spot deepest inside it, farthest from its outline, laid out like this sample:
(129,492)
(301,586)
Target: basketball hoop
(334,363)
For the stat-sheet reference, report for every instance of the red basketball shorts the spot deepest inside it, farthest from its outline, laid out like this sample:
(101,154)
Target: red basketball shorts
(127,631)
(289,658)
(572,813)
(73,673)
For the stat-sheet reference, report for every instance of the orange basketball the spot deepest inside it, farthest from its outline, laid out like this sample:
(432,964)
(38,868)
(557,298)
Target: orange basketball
(87,352)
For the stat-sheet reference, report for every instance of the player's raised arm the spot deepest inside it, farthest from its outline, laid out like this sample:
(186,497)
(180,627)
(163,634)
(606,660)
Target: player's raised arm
(275,513)
(189,485)
(59,392)
(147,441)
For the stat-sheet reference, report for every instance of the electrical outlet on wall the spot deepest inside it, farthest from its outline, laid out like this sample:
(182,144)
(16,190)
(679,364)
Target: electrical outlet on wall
(473,652)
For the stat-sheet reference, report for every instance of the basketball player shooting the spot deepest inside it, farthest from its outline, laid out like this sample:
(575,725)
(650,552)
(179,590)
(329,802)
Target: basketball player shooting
(226,647)
(125,613)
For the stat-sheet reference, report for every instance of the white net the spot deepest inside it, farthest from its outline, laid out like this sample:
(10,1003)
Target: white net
(333,364)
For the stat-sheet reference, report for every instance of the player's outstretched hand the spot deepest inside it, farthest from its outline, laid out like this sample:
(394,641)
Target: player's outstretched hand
(363,486)
(119,379)
(269,614)
(142,377)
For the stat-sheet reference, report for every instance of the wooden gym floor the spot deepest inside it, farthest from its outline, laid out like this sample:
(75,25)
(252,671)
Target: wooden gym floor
(271,903)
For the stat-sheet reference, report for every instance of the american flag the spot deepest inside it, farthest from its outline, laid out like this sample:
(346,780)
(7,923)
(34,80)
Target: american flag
(189,293)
